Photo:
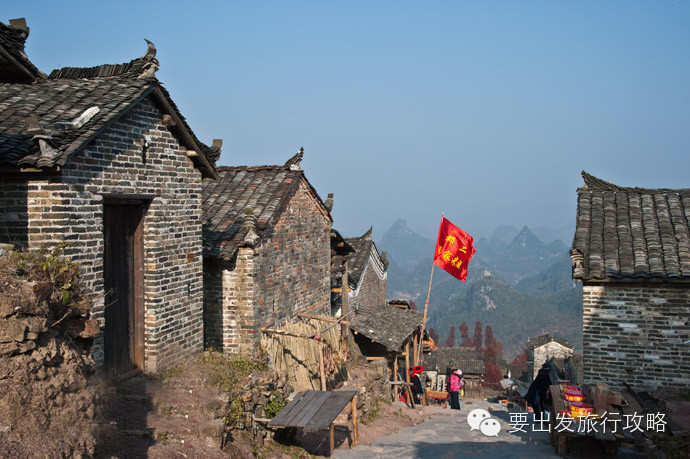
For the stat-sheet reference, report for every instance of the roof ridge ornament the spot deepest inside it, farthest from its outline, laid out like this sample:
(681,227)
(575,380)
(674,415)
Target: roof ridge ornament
(151,63)
(294,163)
(329,202)
(577,260)
(249,226)
(367,235)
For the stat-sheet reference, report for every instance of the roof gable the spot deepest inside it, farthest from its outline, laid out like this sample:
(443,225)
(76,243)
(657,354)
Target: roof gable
(266,190)
(546,338)
(15,66)
(44,124)
(631,234)
(365,250)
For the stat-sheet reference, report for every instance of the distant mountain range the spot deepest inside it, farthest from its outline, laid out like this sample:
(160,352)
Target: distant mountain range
(516,283)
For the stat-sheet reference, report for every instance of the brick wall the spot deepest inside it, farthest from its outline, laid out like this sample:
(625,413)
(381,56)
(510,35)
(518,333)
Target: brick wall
(288,272)
(70,207)
(637,333)
(371,291)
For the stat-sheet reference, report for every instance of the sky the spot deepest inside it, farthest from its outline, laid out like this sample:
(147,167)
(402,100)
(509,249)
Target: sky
(485,111)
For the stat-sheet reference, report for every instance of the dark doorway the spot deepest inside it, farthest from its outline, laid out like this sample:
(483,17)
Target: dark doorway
(123,270)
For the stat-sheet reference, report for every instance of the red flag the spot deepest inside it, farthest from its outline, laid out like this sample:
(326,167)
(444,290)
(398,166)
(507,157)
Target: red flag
(454,248)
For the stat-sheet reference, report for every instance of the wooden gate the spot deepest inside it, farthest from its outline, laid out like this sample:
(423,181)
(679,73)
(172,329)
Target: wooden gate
(123,270)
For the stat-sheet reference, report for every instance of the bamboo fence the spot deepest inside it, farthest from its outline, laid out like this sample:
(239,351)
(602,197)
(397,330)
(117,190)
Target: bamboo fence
(298,357)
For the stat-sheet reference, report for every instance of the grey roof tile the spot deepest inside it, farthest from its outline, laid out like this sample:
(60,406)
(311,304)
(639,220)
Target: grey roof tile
(632,233)
(266,189)
(387,325)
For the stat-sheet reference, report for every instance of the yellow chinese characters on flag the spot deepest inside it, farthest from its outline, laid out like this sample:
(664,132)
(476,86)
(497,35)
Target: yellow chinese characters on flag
(454,248)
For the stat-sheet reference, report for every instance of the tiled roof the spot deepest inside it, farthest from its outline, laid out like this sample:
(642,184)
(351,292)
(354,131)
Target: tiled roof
(631,233)
(54,101)
(386,325)
(68,93)
(265,189)
(15,66)
(450,358)
(358,261)
(544,339)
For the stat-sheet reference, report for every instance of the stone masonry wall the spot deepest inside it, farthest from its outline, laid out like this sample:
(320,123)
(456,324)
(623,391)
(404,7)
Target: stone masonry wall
(70,207)
(293,262)
(288,272)
(372,289)
(637,333)
(543,353)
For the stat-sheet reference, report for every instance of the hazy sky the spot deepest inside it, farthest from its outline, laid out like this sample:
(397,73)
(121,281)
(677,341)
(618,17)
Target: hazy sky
(486,111)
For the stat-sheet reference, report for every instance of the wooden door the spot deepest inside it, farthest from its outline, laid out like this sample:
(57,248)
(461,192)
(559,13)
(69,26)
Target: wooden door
(123,267)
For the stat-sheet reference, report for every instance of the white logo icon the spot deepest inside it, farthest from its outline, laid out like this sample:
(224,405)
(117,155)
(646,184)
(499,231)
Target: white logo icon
(490,427)
(480,419)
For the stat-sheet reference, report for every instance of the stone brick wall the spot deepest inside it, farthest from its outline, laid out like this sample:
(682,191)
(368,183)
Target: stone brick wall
(288,272)
(70,207)
(371,291)
(540,355)
(637,333)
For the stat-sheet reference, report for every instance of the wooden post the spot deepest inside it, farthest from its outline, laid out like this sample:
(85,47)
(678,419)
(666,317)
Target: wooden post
(426,304)
(395,376)
(331,439)
(322,369)
(355,432)
(345,300)
(415,355)
(410,398)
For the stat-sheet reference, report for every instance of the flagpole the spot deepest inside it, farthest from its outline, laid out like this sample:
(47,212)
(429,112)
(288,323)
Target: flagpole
(426,307)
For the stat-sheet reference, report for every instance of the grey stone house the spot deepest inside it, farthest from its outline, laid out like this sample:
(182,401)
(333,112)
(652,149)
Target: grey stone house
(267,252)
(543,348)
(101,158)
(367,274)
(632,253)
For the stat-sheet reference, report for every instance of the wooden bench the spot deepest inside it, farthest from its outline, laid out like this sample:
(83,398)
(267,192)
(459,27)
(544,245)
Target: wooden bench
(315,410)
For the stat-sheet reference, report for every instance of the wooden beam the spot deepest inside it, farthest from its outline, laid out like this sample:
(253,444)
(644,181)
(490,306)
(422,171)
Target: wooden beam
(375,358)
(340,290)
(325,319)
(286,333)
(192,154)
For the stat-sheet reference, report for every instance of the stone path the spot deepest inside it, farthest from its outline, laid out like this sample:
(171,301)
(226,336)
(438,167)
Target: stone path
(448,435)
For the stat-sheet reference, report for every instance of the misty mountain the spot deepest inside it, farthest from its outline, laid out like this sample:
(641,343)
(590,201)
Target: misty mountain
(514,316)
(405,246)
(519,286)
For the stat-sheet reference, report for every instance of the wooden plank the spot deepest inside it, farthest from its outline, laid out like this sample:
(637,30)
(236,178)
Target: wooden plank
(303,405)
(312,407)
(280,418)
(331,408)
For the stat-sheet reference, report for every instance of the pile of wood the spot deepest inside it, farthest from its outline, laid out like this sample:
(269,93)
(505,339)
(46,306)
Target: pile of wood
(309,350)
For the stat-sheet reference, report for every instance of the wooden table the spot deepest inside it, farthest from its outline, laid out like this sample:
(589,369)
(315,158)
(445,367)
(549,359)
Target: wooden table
(316,410)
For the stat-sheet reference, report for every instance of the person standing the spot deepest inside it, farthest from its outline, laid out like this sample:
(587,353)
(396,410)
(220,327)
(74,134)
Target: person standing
(457,382)
(415,380)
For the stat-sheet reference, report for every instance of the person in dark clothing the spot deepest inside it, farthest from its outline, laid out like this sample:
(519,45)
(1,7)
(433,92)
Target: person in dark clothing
(416,381)
(538,395)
